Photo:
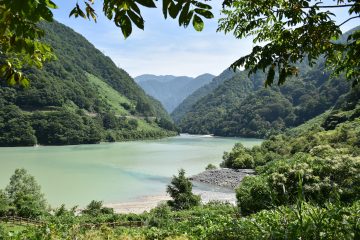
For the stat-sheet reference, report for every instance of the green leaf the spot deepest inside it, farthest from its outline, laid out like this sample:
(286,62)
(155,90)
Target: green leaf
(136,19)
(204,13)
(126,26)
(165,7)
(184,15)
(198,23)
(147,3)
(174,10)
(51,4)
(73,12)
(282,76)
(270,77)
(202,5)
(134,7)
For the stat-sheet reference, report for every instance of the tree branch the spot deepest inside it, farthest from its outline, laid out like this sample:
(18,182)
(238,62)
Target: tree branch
(332,6)
(348,20)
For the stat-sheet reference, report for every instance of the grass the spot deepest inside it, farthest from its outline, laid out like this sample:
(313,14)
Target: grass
(316,121)
(112,97)
(145,126)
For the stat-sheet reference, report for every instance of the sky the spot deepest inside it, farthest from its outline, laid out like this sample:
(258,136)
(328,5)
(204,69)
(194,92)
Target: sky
(164,48)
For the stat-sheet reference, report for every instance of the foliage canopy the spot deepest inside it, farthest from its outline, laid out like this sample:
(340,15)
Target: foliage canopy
(287,32)
(296,30)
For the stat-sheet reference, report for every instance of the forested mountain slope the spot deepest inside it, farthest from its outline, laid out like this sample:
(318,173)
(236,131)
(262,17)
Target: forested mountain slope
(82,97)
(241,106)
(255,111)
(171,90)
(188,102)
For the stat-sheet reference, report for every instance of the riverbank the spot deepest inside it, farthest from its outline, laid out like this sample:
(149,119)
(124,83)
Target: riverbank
(147,203)
(211,185)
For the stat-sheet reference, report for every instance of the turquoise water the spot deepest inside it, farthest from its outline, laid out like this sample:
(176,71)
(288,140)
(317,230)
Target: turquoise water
(113,172)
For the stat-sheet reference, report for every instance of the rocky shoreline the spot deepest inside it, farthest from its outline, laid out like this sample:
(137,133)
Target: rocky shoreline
(225,181)
(223,177)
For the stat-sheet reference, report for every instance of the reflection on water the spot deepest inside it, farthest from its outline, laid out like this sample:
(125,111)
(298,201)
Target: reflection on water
(114,172)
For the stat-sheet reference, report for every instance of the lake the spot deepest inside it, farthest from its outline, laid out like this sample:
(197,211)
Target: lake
(114,172)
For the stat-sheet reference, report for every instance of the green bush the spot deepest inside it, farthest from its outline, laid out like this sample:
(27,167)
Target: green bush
(95,208)
(180,190)
(4,203)
(253,195)
(238,158)
(210,167)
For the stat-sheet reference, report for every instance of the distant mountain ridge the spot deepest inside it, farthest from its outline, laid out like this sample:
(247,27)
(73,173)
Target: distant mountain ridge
(171,90)
(160,78)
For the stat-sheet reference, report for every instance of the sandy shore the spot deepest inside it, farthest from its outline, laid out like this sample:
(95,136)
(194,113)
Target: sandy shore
(146,203)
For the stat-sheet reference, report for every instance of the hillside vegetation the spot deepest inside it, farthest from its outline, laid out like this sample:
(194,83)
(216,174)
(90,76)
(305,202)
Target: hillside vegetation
(241,106)
(82,97)
(306,187)
(188,102)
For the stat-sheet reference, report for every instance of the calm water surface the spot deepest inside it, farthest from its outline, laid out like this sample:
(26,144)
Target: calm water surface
(113,172)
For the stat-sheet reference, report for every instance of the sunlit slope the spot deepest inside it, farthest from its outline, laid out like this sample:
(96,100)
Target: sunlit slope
(81,97)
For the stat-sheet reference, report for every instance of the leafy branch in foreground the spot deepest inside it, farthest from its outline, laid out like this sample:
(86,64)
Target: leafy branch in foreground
(19,38)
(288,32)
(20,45)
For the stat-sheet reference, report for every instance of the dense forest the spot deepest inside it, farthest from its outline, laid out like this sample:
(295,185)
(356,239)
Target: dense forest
(240,105)
(237,104)
(82,97)
(171,90)
(188,102)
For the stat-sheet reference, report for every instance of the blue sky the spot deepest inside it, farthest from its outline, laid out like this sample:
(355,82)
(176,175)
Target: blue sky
(164,47)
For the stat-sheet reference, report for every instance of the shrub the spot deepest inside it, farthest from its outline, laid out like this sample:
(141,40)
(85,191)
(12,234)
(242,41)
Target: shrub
(210,167)
(243,161)
(253,195)
(4,203)
(238,158)
(95,208)
(180,190)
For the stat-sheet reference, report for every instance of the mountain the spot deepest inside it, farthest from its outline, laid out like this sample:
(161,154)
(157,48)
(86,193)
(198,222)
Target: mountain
(188,102)
(82,97)
(149,77)
(241,106)
(171,90)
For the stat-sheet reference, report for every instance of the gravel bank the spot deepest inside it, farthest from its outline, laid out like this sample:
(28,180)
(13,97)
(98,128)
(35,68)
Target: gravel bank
(218,185)
(224,177)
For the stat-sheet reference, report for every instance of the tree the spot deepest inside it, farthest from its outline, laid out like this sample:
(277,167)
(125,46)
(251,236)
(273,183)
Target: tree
(292,30)
(20,34)
(24,195)
(96,208)
(4,203)
(180,190)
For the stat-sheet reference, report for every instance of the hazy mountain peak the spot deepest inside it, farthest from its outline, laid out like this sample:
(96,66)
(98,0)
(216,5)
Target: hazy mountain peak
(171,90)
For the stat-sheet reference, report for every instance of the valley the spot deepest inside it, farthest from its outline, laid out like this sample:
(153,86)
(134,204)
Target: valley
(249,134)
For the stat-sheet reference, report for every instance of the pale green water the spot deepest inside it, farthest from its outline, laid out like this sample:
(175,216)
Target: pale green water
(113,172)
